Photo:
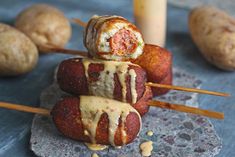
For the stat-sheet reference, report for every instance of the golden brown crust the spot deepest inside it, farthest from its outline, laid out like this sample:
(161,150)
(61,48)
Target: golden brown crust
(66,115)
(167,80)
(157,62)
(72,79)
(142,105)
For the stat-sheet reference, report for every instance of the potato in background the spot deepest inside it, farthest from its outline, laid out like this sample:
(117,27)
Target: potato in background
(213,31)
(45,25)
(18,54)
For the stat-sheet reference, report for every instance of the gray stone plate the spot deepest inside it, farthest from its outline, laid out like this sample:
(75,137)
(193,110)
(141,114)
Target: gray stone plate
(175,133)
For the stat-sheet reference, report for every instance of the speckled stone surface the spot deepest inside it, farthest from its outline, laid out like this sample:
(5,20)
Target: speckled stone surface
(175,133)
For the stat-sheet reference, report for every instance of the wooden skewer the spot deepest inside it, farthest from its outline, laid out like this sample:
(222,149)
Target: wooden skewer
(83,24)
(187,109)
(157,85)
(80,22)
(186,89)
(68,51)
(195,90)
(24,108)
(55,49)
(181,108)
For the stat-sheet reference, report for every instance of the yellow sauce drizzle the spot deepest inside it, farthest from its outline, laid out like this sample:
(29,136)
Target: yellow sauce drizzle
(93,107)
(96,147)
(146,148)
(150,133)
(104,86)
(94,155)
(133,85)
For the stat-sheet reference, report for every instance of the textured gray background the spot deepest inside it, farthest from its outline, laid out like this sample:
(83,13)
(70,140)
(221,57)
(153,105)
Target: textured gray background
(26,89)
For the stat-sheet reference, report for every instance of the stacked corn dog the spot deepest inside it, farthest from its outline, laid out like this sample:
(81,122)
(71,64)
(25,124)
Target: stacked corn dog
(112,71)
(110,87)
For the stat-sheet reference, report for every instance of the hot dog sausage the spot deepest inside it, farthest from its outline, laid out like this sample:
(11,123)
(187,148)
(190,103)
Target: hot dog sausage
(97,120)
(113,38)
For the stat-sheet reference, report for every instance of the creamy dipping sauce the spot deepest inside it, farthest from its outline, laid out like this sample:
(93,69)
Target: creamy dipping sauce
(150,133)
(96,147)
(146,148)
(94,155)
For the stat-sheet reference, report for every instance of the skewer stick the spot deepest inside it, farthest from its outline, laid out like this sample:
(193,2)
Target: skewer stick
(80,22)
(68,51)
(83,24)
(187,109)
(195,90)
(55,49)
(24,108)
(181,108)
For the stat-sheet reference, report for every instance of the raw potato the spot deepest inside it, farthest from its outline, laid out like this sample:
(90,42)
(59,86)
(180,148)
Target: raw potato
(44,24)
(18,54)
(213,31)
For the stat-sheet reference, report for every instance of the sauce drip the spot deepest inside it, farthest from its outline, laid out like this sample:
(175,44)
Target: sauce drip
(96,147)
(150,133)
(104,86)
(93,107)
(146,148)
(94,155)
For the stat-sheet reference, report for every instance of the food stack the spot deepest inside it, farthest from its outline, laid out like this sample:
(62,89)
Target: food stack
(110,86)
(118,66)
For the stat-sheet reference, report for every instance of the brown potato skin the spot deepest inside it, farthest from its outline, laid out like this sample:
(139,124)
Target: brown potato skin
(18,54)
(157,62)
(141,78)
(213,32)
(72,79)
(67,118)
(44,25)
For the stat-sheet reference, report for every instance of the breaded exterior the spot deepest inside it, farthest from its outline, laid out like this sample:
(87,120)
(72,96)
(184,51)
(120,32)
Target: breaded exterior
(72,79)
(66,115)
(157,62)
(113,38)
(142,105)
(167,80)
